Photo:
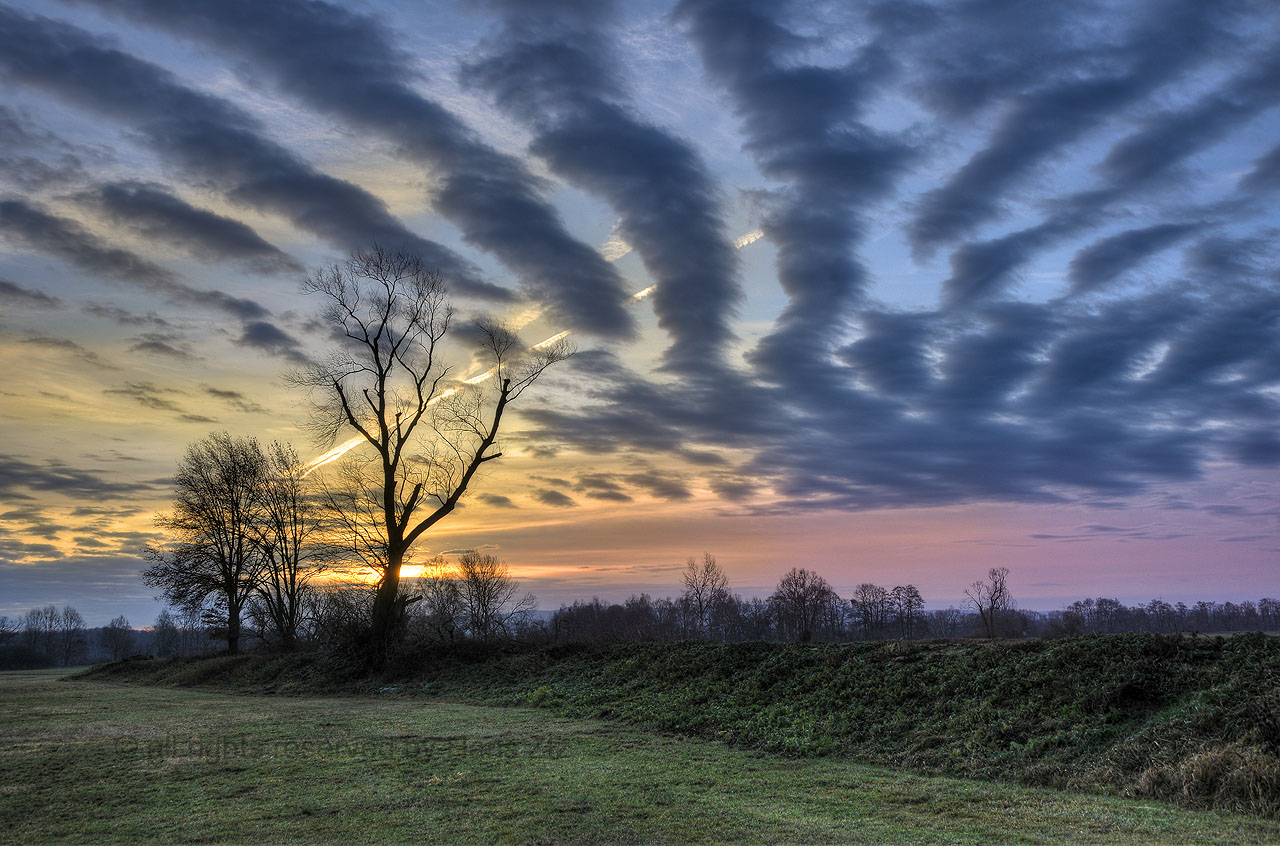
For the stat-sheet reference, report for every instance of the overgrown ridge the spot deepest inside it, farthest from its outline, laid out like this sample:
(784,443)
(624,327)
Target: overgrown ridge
(1194,720)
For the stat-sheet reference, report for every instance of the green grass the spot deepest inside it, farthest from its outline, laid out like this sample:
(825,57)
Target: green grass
(1171,717)
(88,761)
(1192,720)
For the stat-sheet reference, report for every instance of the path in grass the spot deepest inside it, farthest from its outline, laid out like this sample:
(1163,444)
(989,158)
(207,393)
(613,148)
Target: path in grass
(92,761)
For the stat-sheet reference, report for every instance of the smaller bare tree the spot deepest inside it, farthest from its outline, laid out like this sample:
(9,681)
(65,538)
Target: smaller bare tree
(116,639)
(71,641)
(168,639)
(801,601)
(38,628)
(491,596)
(907,603)
(213,556)
(193,635)
(945,622)
(706,587)
(286,521)
(441,611)
(991,599)
(338,612)
(870,605)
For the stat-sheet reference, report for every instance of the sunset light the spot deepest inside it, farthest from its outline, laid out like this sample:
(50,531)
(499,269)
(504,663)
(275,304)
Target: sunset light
(661,421)
(853,296)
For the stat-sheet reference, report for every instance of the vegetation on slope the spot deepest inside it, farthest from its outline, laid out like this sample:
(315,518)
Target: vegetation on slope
(1188,719)
(114,763)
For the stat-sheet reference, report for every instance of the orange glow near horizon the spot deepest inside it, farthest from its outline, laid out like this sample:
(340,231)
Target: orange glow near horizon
(409,572)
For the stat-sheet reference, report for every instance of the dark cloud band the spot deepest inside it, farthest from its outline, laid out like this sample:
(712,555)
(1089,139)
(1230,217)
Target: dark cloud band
(347,65)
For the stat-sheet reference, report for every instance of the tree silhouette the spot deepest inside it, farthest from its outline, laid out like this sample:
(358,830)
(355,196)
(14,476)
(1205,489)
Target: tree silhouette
(116,638)
(490,596)
(907,602)
(800,601)
(991,599)
(215,508)
(286,523)
(388,384)
(706,586)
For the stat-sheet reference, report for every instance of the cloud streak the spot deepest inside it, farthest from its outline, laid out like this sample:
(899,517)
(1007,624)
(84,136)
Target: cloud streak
(348,65)
(14,295)
(803,129)
(1062,104)
(69,241)
(211,139)
(555,69)
(156,213)
(1023,252)
(1145,162)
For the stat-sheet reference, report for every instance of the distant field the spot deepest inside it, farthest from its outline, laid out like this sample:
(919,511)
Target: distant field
(97,761)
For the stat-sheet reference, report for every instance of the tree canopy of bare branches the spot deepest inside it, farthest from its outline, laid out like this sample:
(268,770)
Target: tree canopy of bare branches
(907,603)
(800,601)
(8,629)
(117,638)
(285,528)
(991,599)
(388,384)
(492,598)
(706,586)
(870,604)
(241,531)
(212,554)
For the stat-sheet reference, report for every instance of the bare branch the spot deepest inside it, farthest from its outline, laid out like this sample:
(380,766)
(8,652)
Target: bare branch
(431,434)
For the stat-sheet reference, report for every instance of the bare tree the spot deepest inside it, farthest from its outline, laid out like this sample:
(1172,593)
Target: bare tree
(213,555)
(389,386)
(945,622)
(800,602)
(38,628)
(907,603)
(8,629)
(758,619)
(492,598)
(193,635)
(116,638)
(442,613)
(339,614)
(870,604)
(70,635)
(706,587)
(286,522)
(168,638)
(991,599)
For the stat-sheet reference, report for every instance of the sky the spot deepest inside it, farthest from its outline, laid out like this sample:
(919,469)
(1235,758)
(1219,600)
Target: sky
(932,287)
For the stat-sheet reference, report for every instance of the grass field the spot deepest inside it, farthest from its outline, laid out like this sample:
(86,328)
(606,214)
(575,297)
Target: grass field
(93,761)
(1190,720)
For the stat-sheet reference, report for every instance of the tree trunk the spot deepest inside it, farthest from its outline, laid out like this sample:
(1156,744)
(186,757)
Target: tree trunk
(233,630)
(387,610)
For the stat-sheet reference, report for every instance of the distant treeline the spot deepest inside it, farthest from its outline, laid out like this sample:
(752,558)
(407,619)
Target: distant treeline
(805,607)
(479,601)
(53,637)
(873,613)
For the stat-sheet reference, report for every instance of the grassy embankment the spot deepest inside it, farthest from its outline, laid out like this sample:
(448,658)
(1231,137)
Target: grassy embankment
(1191,720)
(85,761)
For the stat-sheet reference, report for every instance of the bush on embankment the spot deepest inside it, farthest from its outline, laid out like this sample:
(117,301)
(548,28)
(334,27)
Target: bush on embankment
(1190,719)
